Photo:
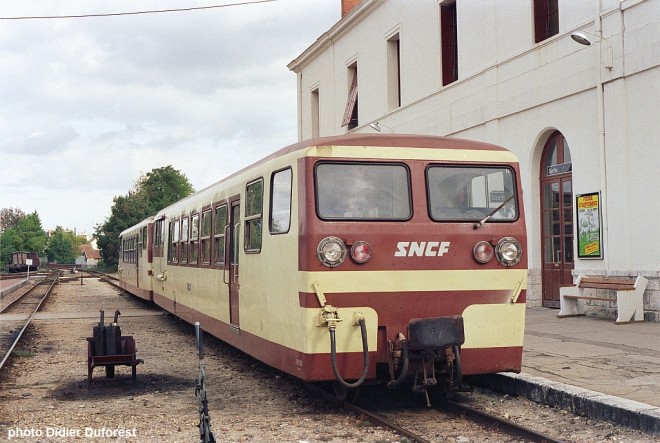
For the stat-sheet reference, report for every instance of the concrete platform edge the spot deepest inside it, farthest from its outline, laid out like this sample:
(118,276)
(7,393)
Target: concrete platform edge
(580,401)
(8,290)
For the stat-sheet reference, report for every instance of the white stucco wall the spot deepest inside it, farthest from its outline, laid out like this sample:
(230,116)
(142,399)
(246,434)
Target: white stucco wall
(514,92)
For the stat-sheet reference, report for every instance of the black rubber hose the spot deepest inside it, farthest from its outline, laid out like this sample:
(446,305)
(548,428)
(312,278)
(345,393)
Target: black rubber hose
(365,354)
(404,369)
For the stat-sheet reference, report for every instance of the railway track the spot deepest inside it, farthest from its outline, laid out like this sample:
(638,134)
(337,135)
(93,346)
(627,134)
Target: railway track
(18,314)
(489,422)
(107,278)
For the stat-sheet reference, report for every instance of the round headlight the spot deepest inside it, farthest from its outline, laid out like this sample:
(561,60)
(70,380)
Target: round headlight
(331,252)
(360,252)
(508,251)
(483,252)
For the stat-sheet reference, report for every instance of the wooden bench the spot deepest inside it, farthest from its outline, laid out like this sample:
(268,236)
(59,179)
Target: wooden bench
(126,358)
(629,296)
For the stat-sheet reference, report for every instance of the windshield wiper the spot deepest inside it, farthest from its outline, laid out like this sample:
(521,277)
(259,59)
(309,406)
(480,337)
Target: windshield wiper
(478,224)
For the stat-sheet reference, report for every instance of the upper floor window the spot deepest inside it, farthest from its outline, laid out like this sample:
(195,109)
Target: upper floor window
(449,44)
(546,19)
(393,72)
(316,113)
(351,110)
(253,215)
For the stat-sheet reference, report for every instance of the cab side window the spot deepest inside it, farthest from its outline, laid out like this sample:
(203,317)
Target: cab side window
(280,202)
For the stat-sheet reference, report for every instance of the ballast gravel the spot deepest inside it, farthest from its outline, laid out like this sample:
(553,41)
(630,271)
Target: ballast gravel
(44,395)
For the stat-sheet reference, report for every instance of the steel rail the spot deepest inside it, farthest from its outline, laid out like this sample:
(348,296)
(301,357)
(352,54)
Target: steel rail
(493,421)
(54,275)
(373,418)
(475,415)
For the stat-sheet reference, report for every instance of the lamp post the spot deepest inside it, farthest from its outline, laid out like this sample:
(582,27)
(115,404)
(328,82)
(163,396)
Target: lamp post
(582,38)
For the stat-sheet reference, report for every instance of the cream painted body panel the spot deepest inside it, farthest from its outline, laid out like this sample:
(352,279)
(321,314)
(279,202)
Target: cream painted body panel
(270,282)
(491,326)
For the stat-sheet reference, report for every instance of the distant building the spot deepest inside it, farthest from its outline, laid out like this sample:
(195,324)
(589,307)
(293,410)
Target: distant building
(571,87)
(90,257)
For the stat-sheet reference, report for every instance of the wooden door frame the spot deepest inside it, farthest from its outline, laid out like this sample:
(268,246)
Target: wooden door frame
(561,173)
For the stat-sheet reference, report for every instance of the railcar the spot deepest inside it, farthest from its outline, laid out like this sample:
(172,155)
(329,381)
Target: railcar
(19,262)
(136,258)
(398,259)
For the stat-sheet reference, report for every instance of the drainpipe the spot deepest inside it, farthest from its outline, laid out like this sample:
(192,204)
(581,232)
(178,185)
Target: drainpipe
(600,92)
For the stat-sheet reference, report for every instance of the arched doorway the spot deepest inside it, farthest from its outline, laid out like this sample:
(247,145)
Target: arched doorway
(556,218)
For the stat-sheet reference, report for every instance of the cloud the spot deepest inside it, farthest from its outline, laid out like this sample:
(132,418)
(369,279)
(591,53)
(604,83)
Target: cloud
(89,104)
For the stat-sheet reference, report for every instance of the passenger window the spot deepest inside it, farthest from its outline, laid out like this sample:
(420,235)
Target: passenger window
(183,248)
(253,215)
(219,236)
(280,202)
(159,238)
(194,239)
(206,237)
(173,253)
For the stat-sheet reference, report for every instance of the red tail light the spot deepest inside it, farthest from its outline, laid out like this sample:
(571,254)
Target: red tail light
(360,252)
(483,252)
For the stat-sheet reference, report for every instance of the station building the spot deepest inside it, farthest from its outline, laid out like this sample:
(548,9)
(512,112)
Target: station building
(571,87)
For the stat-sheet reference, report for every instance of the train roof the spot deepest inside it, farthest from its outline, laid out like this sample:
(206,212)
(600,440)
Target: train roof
(375,140)
(139,225)
(356,140)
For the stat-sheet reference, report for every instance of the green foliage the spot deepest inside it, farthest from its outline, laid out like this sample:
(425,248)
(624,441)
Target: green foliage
(9,217)
(152,192)
(62,246)
(20,233)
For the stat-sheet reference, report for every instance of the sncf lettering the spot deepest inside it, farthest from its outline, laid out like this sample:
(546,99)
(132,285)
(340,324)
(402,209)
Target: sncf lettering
(422,249)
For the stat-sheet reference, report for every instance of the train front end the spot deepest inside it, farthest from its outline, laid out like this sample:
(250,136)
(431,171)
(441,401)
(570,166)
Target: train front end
(414,260)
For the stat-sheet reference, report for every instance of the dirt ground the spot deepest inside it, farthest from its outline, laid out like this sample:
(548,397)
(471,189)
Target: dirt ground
(44,396)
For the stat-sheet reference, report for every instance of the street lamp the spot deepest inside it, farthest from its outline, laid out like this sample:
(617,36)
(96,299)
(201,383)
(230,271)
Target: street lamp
(581,38)
(378,127)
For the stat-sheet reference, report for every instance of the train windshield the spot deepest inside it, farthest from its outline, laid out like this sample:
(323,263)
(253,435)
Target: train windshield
(363,191)
(470,193)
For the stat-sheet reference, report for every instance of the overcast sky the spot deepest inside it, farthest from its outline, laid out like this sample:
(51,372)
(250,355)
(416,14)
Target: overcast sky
(87,105)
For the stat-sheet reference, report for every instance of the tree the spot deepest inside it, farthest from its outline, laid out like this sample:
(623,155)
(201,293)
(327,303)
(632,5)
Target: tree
(152,192)
(20,233)
(9,218)
(62,246)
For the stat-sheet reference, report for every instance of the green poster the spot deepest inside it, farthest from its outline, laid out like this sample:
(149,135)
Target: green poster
(588,224)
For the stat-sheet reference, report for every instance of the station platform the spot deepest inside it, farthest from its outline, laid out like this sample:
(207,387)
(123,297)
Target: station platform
(591,367)
(10,284)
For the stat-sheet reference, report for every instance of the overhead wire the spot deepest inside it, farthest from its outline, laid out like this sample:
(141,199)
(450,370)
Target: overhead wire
(157,11)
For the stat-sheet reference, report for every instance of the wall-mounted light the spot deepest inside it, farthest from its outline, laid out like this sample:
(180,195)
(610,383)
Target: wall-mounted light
(581,37)
(379,127)
(375,126)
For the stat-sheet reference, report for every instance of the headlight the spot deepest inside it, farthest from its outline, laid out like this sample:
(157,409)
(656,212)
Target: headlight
(508,251)
(331,251)
(483,252)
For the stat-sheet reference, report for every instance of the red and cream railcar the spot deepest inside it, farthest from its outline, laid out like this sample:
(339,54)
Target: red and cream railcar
(358,257)
(135,259)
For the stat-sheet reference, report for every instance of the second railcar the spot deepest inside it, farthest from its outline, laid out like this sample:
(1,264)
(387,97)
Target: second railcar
(136,259)
(359,257)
